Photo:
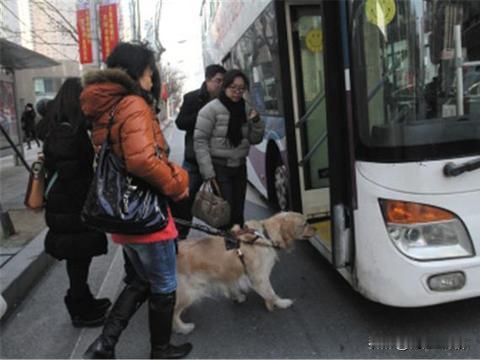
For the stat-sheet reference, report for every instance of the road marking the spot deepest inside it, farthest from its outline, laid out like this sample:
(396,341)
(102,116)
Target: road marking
(109,287)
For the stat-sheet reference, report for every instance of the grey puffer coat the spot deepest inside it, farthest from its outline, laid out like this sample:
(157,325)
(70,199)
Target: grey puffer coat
(211,143)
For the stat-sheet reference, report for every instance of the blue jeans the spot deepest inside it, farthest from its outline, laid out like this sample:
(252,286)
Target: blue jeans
(155,263)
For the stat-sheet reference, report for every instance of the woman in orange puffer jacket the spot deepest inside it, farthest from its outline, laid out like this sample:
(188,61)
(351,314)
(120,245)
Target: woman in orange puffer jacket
(128,86)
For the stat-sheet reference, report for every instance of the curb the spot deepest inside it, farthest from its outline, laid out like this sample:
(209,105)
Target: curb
(22,272)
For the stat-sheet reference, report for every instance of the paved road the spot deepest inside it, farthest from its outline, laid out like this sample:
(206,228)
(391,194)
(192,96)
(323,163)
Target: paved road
(327,320)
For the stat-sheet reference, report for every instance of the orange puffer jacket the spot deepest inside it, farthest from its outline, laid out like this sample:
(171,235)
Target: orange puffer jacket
(135,133)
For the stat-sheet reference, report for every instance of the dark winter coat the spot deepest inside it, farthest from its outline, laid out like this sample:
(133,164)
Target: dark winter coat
(68,151)
(28,120)
(187,118)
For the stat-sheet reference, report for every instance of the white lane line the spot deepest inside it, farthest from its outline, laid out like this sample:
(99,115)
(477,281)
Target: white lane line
(109,287)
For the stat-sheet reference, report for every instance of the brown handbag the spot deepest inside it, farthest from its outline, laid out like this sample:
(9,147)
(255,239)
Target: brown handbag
(34,198)
(210,208)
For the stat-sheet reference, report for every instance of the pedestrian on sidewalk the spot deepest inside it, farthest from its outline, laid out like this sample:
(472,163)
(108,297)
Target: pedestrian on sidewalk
(186,120)
(28,125)
(68,157)
(128,87)
(224,132)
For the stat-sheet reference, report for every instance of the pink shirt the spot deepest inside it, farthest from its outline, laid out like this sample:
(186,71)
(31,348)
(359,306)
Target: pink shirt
(168,233)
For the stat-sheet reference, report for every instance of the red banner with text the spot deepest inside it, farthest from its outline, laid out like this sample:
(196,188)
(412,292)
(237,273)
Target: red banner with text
(84,36)
(108,28)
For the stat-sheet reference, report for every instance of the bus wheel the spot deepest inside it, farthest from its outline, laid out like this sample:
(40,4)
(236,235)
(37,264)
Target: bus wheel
(281,185)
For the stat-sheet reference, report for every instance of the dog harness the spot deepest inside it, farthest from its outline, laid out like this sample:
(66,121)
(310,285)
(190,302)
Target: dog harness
(258,235)
(232,239)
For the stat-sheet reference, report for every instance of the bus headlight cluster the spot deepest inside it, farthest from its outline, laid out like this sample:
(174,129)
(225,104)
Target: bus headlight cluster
(425,232)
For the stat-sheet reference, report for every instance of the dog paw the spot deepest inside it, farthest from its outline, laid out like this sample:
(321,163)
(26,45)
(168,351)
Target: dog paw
(184,328)
(283,303)
(240,298)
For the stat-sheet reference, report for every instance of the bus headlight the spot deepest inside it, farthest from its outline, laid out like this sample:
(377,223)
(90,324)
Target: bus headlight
(425,232)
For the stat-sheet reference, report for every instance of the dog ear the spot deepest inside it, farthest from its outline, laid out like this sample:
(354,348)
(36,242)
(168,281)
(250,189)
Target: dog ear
(274,230)
(288,231)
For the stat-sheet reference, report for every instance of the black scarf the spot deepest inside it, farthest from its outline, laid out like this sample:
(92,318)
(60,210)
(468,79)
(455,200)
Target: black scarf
(237,118)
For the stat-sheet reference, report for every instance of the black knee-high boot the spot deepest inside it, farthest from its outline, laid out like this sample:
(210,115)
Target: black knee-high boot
(84,309)
(127,303)
(160,315)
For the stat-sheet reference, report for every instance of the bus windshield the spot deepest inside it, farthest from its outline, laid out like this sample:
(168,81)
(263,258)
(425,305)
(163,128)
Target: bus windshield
(405,79)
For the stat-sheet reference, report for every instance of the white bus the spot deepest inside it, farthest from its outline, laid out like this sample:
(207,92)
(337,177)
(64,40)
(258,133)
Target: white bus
(373,132)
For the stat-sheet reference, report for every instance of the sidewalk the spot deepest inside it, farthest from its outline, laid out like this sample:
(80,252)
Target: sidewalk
(22,259)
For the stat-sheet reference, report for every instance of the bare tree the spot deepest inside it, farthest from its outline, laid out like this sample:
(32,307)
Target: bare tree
(58,19)
(174,80)
(159,49)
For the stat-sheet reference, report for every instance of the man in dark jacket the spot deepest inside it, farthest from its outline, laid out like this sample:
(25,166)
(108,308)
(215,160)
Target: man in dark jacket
(28,124)
(186,120)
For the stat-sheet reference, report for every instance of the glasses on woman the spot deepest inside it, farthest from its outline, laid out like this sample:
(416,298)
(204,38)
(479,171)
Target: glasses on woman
(237,88)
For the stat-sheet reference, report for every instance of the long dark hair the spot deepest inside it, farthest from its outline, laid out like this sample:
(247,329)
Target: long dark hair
(66,105)
(230,77)
(134,58)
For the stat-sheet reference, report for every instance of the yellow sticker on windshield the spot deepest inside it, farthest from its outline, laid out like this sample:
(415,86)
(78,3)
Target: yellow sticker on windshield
(380,12)
(314,40)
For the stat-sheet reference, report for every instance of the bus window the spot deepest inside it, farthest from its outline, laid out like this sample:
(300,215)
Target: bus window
(257,55)
(405,80)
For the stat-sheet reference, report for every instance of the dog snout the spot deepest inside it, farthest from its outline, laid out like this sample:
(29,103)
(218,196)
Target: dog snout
(308,232)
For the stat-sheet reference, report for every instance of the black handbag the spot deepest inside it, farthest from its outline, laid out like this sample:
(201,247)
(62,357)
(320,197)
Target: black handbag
(119,203)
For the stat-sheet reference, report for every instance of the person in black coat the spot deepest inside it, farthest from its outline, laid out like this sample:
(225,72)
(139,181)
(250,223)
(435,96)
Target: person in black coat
(69,154)
(186,120)
(28,125)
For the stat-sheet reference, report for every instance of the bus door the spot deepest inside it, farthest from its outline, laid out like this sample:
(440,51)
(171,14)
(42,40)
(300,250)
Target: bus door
(318,113)
(309,103)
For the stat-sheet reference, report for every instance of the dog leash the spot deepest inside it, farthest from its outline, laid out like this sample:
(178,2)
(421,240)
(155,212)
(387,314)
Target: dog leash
(231,237)
(207,230)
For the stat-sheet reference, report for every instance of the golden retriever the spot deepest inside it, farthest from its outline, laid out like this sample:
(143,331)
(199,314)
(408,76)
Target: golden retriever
(206,269)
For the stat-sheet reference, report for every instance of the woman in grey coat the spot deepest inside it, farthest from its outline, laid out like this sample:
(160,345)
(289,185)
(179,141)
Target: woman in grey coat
(223,134)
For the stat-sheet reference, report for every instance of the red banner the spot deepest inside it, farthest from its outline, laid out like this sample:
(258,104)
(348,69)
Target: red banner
(109,28)
(84,36)
(164,92)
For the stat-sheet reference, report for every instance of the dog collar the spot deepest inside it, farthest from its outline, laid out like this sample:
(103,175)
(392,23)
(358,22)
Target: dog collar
(265,235)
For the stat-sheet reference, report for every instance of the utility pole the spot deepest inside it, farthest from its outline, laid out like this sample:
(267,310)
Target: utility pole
(138,19)
(96,31)
(18,156)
